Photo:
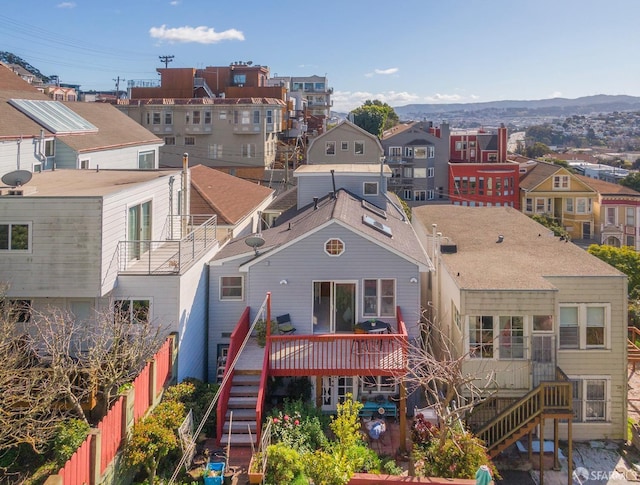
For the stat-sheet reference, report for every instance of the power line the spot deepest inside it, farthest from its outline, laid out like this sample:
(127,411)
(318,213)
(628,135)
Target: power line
(166,60)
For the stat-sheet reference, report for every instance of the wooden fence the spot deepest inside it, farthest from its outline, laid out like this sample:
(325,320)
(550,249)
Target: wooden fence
(91,462)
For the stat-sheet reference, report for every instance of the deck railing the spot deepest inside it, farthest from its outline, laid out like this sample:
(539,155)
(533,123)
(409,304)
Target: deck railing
(549,397)
(633,345)
(188,237)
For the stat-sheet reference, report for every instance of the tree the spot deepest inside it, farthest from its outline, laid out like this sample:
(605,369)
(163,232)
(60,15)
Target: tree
(537,150)
(632,181)
(551,223)
(154,437)
(626,260)
(375,117)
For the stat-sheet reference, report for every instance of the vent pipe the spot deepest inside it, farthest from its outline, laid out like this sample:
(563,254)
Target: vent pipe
(315,203)
(333,180)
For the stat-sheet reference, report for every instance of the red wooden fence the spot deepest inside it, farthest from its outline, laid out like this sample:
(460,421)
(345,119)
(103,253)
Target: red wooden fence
(77,471)
(111,434)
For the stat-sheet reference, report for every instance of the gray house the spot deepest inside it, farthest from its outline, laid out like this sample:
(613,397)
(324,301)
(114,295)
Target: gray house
(336,264)
(418,155)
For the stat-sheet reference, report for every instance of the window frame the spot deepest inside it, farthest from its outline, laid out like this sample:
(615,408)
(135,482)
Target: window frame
(583,326)
(630,216)
(190,141)
(9,241)
(229,287)
(484,337)
(420,152)
(376,310)
(142,158)
(431,172)
(358,148)
(334,247)
(581,383)
(330,148)
(169,140)
(370,188)
(344,146)
(131,302)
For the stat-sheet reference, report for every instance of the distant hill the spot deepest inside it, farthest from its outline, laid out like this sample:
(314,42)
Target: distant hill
(9,58)
(542,107)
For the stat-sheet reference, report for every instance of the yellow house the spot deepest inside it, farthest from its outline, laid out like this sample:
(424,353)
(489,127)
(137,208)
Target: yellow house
(549,189)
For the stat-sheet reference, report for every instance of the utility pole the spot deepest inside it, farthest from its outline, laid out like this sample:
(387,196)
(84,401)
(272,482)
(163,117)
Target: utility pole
(166,60)
(117,80)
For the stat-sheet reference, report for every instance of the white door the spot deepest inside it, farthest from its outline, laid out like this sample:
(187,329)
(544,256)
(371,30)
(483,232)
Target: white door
(335,389)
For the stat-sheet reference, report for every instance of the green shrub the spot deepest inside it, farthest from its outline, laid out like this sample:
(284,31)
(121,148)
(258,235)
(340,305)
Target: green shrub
(261,331)
(363,459)
(283,464)
(326,468)
(298,426)
(68,439)
(182,392)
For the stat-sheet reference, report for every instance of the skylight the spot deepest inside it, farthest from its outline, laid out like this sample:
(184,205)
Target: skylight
(384,229)
(54,116)
(375,209)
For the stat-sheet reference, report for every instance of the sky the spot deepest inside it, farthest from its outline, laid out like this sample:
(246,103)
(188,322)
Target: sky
(399,52)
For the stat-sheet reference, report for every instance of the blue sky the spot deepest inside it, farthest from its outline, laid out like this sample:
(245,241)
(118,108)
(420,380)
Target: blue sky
(401,52)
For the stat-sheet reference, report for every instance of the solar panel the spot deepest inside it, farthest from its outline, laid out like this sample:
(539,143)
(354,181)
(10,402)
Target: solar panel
(54,116)
(369,221)
(375,209)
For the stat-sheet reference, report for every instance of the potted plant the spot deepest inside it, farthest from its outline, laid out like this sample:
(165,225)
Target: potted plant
(261,331)
(256,473)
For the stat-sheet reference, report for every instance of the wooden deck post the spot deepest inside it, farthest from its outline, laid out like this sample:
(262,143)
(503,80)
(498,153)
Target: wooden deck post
(569,454)
(556,462)
(530,450)
(403,417)
(319,392)
(541,449)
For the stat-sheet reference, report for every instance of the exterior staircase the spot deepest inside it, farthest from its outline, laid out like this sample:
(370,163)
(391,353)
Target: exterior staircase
(551,399)
(242,403)
(633,350)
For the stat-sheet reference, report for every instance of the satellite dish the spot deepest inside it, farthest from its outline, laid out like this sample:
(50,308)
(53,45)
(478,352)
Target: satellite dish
(16,178)
(254,241)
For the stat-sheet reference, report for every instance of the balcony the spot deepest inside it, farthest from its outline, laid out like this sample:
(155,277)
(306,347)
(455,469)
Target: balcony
(188,238)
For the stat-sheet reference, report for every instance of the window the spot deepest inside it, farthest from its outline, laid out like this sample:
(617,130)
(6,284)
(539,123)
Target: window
(511,341)
(595,326)
(239,79)
(147,160)
(407,172)
(334,247)
(207,117)
(196,118)
(569,328)
(456,316)
(168,118)
(419,172)
(528,204)
(215,151)
(344,146)
(231,288)
(431,151)
(370,188)
(611,216)
(379,298)
(49,148)
(481,337)
(15,237)
(407,194)
(419,195)
(430,194)
(631,241)
(395,151)
(408,152)
(540,205)
(156,118)
(543,323)
(132,311)
(569,204)
(358,147)
(256,117)
(222,115)
(458,145)
(189,140)
(560,182)
(590,398)
(431,172)
(492,157)
(379,384)
(584,326)
(330,148)
(631,216)
(583,205)
(84,164)
(420,152)
(248,150)
(169,140)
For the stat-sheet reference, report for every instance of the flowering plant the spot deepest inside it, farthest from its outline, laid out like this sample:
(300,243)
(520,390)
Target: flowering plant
(302,432)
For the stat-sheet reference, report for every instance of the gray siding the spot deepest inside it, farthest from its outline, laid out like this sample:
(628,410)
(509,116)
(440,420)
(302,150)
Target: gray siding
(114,159)
(65,246)
(310,186)
(348,133)
(17,155)
(305,262)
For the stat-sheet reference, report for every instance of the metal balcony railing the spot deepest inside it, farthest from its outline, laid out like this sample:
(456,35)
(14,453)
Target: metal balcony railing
(188,237)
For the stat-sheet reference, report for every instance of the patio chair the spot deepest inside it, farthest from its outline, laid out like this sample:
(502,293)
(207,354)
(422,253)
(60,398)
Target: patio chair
(285,326)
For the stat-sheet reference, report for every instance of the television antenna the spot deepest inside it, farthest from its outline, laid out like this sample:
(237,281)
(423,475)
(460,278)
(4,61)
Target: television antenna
(255,242)
(16,178)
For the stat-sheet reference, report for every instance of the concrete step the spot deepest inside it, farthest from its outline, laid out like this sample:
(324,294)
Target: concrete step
(242,402)
(240,427)
(241,414)
(240,440)
(247,390)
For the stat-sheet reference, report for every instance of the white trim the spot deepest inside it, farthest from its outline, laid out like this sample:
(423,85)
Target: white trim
(29,249)
(364,185)
(583,380)
(582,326)
(344,246)
(241,298)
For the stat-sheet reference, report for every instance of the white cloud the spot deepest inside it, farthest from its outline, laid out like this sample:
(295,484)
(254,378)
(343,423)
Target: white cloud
(444,98)
(555,94)
(391,70)
(345,101)
(200,35)
(173,3)
(66,5)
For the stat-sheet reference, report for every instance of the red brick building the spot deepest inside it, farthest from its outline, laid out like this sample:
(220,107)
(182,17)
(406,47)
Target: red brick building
(484,184)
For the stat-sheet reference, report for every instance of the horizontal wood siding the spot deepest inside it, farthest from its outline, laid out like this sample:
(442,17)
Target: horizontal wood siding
(114,229)
(350,134)
(17,155)
(65,156)
(310,186)
(65,246)
(605,363)
(502,376)
(506,302)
